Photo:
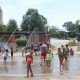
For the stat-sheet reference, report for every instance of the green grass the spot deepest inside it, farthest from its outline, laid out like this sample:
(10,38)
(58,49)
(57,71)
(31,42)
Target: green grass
(72,44)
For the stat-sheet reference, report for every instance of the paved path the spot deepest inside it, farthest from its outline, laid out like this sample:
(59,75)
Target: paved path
(42,77)
(16,69)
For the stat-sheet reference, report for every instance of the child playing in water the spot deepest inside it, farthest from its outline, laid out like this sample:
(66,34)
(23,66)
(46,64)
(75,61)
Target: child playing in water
(61,58)
(49,56)
(5,55)
(71,52)
(43,49)
(23,50)
(29,59)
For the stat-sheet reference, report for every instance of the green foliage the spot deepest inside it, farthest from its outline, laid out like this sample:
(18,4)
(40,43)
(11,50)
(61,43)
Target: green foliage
(63,34)
(72,44)
(56,33)
(77,24)
(12,25)
(21,42)
(2,27)
(53,31)
(32,19)
(71,28)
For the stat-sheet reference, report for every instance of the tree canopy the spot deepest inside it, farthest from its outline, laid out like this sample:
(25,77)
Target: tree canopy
(71,28)
(77,24)
(2,27)
(12,25)
(32,19)
(53,31)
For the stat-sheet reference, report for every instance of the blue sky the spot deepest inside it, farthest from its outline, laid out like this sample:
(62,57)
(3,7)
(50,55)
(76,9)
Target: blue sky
(56,11)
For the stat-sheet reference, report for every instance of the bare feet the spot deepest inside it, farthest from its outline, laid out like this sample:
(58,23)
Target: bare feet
(31,75)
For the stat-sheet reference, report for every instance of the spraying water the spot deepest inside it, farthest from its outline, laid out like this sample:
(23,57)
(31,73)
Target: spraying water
(5,46)
(27,44)
(34,32)
(46,31)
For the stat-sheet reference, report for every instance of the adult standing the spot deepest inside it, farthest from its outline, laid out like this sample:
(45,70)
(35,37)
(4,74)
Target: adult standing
(66,52)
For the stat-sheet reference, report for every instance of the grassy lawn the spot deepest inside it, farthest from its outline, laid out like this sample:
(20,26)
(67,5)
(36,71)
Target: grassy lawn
(72,44)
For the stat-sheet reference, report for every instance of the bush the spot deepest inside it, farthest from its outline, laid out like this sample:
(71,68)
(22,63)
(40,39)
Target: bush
(21,42)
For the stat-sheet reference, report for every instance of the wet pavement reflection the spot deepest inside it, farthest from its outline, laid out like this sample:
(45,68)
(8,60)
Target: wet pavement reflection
(17,65)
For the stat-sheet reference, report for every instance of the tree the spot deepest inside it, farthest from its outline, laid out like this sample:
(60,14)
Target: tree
(53,31)
(2,27)
(32,19)
(77,24)
(12,25)
(63,34)
(71,28)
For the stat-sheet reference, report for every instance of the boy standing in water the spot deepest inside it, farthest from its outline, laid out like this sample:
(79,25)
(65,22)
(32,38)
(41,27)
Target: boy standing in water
(29,60)
(5,55)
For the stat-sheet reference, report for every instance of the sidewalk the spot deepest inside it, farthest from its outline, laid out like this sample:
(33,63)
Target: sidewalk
(41,77)
(64,75)
(38,75)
